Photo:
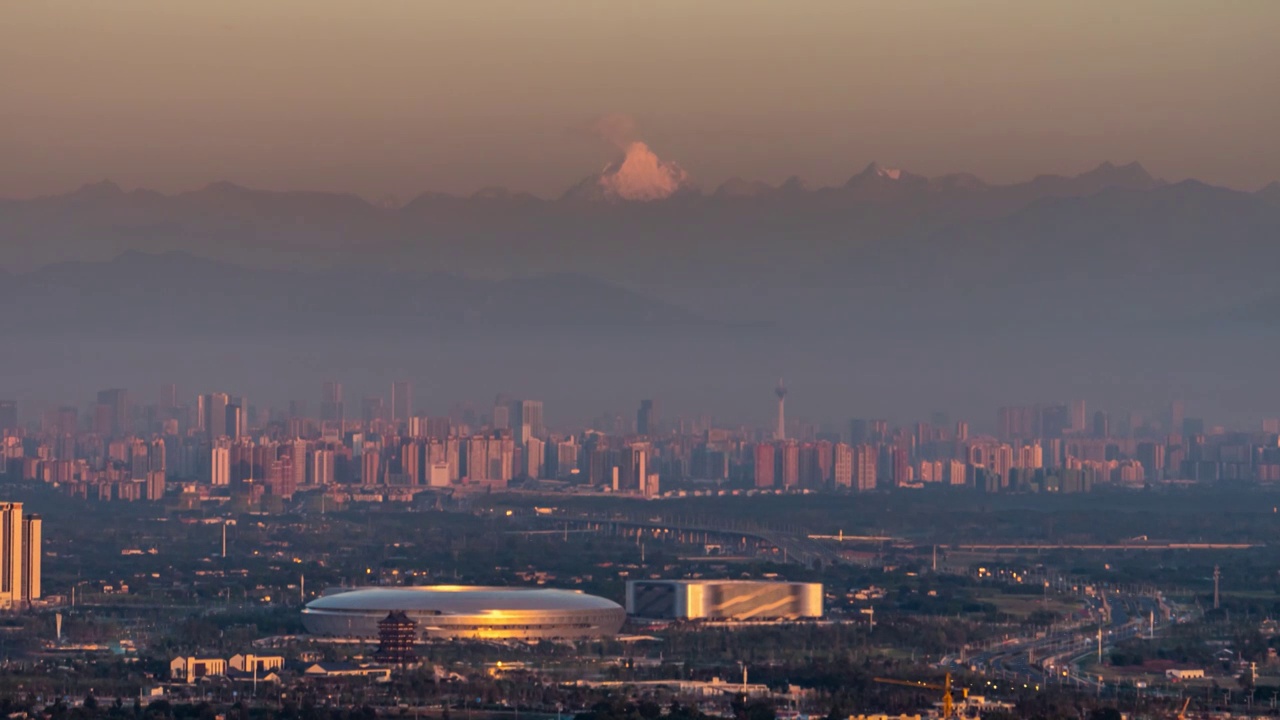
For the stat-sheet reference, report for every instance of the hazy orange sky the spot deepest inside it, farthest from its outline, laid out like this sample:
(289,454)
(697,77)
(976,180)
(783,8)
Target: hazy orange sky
(402,96)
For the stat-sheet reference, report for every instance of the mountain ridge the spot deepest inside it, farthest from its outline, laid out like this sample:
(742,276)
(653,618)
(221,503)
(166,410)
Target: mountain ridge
(189,294)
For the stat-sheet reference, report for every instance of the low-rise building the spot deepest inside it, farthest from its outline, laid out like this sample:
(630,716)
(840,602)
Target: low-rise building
(347,670)
(250,663)
(189,669)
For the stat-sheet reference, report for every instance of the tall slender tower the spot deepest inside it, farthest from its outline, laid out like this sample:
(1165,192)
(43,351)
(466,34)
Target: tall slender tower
(781,392)
(31,552)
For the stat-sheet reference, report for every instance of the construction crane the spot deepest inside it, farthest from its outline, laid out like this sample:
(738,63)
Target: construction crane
(948,703)
(1182,714)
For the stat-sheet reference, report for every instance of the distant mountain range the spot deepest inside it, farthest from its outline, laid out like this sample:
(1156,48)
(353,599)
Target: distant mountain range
(887,246)
(180,295)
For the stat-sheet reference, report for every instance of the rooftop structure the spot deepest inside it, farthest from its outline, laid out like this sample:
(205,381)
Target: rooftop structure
(456,611)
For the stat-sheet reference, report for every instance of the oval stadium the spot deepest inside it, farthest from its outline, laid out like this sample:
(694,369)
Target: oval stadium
(453,611)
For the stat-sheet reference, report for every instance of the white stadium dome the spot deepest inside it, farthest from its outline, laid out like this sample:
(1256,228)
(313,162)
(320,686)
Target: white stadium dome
(458,611)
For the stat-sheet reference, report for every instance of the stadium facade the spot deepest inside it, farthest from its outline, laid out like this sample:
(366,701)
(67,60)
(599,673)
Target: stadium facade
(723,600)
(456,611)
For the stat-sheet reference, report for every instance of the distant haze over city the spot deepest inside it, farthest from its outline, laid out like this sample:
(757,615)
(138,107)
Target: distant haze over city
(892,294)
(899,208)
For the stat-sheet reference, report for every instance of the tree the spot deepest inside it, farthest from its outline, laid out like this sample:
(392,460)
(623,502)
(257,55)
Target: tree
(1105,713)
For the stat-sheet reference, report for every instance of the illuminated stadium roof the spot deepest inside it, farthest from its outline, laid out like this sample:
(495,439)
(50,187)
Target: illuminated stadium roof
(460,599)
(455,611)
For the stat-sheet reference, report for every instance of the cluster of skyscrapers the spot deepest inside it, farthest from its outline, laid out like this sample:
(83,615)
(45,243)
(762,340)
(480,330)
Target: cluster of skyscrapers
(221,443)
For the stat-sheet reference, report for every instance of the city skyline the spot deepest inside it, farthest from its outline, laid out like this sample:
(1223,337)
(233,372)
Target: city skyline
(768,417)
(713,360)
(130,449)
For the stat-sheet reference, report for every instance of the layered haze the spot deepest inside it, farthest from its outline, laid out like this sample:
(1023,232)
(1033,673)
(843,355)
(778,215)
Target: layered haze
(901,207)
(890,294)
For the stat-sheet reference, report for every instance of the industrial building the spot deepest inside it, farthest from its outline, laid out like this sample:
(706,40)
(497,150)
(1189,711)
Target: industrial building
(723,600)
(454,611)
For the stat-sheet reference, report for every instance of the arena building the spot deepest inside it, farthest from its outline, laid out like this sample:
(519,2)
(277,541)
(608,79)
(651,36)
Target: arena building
(455,611)
(723,600)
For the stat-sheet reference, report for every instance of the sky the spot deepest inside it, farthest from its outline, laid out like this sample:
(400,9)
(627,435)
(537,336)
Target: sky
(398,97)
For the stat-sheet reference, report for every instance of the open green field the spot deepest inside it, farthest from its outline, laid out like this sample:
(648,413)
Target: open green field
(1022,606)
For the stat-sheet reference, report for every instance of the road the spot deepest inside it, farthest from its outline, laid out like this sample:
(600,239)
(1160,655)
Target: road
(1051,657)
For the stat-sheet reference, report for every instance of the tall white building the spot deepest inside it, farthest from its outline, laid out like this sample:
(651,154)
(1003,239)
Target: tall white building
(220,465)
(322,467)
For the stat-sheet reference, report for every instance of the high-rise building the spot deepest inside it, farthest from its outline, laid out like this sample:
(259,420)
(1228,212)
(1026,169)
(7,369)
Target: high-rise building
(372,411)
(1078,418)
(155,485)
(220,464)
(139,463)
(370,465)
(901,466)
(865,461)
(212,411)
(562,458)
(501,413)
(1101,425)
(843,465)
(780,433)
(8,415)
(645,418)
(113,407)
(20,556)
(10,554)
(436,428)
(764,465)
(401,401)
(535,458)
(32,527)
(158,457)
(323,467)
(1175,416)
(477,458)
(788,460)
(413,461)
(633,467)
(299,450)
(1152,455)
(234,421)
(331,404)
(526,420)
